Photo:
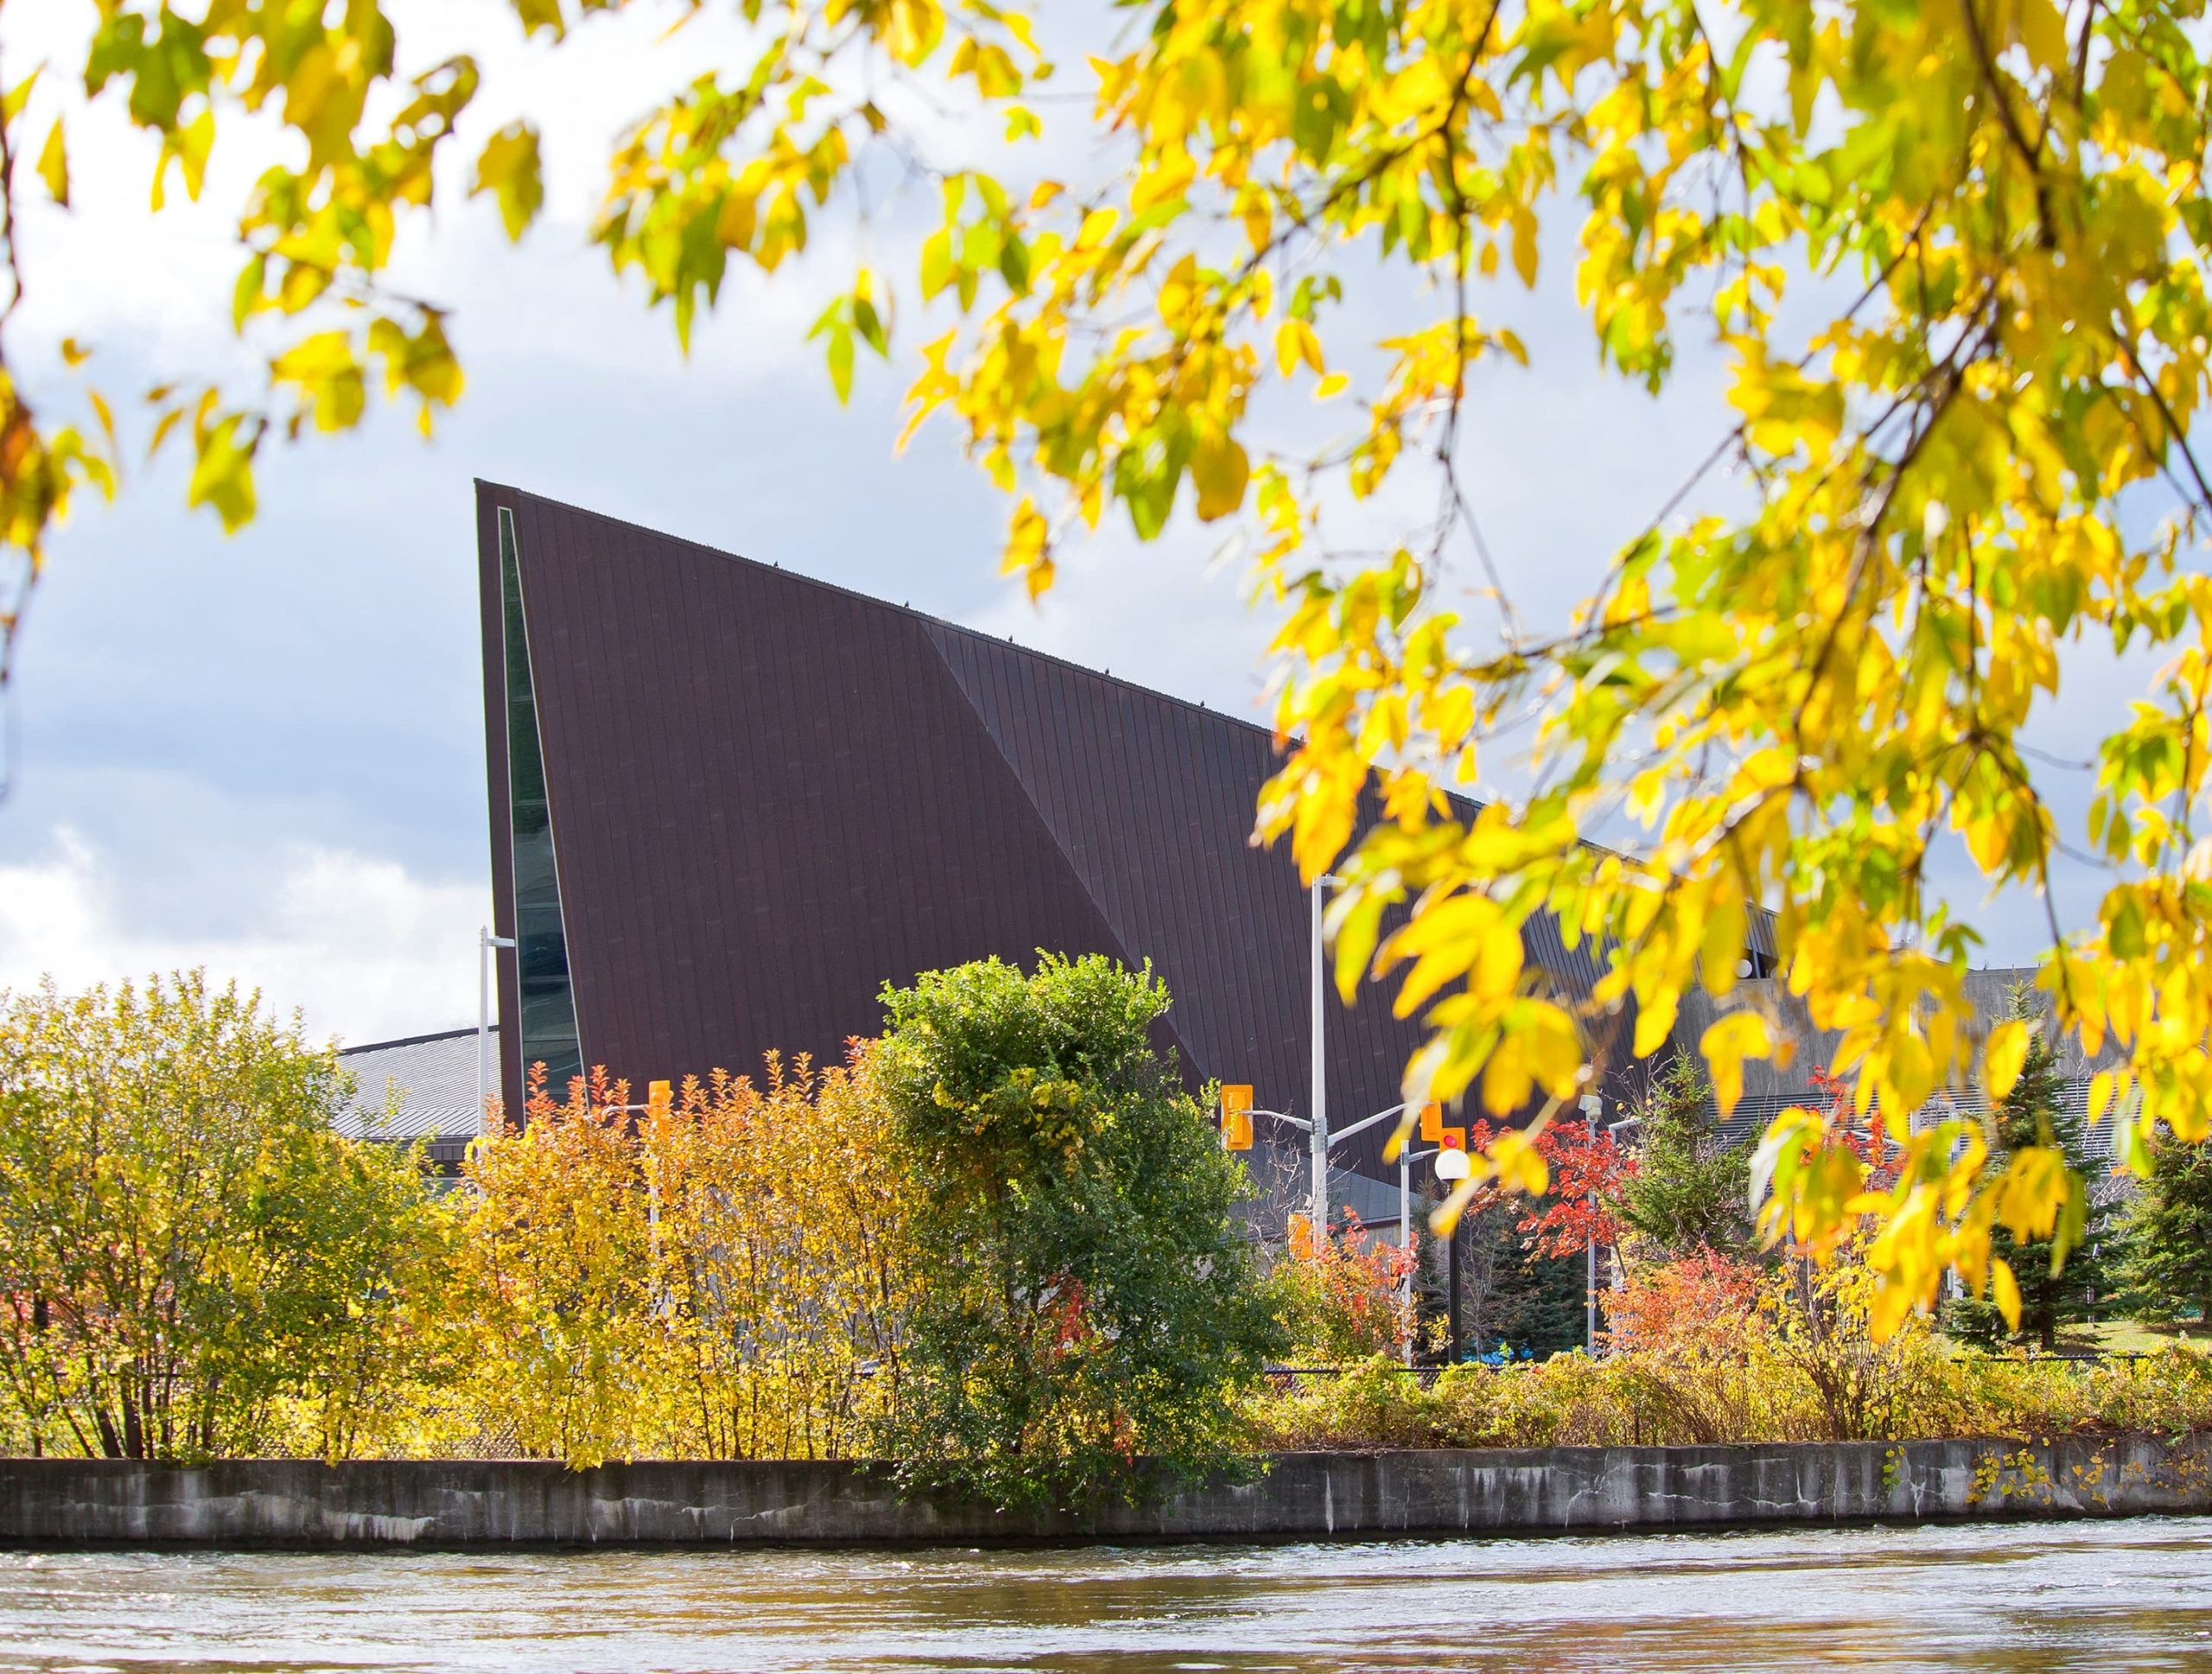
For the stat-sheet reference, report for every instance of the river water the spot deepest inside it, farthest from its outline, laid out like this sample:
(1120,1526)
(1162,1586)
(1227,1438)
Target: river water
(2134,1596)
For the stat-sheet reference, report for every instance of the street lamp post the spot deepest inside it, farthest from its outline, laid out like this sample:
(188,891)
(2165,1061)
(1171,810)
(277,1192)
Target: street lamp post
(1592,1106)
(1406,1232)
(486,941)
(1319,1127)
(1406,1158)
(1451,1166)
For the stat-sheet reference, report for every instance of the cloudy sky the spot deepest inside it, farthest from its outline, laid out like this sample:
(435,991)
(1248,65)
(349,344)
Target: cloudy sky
(264,753)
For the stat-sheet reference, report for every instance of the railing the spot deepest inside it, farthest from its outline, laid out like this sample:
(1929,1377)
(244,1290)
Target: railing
(2076,1356)
(1284,1380)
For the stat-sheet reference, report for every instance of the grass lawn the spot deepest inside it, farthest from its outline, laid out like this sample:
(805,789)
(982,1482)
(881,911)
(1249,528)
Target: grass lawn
(2135,1337)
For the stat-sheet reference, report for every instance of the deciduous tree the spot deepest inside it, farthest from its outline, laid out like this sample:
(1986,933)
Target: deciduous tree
(1346,1296)
(1092,1304)
(726,1279)
(1952,256)
(185,1243)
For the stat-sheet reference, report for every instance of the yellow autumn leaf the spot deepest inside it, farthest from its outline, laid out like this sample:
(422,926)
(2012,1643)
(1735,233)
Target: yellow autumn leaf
(1520,1166)
(53,165)
(2005,1291)
(2004,1057)
(1725,1045)
(1220,471)
(1524,246)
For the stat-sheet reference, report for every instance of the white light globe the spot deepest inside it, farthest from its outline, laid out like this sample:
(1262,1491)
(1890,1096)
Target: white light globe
(1451,1165)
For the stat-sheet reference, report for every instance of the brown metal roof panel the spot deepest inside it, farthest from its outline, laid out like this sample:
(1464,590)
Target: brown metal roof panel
(771,796)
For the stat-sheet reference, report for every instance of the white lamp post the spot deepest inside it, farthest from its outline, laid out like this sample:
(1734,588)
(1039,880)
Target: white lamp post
(1319,1125)
(486,941)
(1591,1107)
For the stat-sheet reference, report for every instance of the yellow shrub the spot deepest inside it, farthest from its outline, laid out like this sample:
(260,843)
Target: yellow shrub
(723,1282)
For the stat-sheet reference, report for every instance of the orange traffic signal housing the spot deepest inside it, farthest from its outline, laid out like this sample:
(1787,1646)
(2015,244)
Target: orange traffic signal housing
(659,1100)
(1451,1139)
(1236,1117)
(1432,1123)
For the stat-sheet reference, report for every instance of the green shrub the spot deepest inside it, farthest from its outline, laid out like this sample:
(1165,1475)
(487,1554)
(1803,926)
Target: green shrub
(1089,1310)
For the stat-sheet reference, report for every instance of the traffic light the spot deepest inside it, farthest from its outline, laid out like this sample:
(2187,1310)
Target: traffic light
(658,1101)
(1432,1123)
(1237,1118)
(1451,1139)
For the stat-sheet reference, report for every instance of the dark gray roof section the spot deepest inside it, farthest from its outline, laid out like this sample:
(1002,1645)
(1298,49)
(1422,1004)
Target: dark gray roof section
(424,1086)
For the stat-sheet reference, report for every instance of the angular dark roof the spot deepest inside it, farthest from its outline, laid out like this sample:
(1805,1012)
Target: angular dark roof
(769,796)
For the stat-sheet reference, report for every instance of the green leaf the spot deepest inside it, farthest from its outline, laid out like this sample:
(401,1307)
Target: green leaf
(222,475)
(246,295)
(509,168)
(869,324)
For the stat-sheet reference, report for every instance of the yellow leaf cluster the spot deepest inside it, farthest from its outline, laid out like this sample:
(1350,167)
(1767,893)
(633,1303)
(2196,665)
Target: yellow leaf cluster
(720,1280)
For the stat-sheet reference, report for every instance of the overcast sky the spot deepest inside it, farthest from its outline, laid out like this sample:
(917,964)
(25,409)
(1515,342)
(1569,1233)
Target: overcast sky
(265,754)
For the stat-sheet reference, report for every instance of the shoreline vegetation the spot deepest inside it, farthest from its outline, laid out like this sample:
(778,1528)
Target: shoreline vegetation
(1001,1245)
(1644,1399)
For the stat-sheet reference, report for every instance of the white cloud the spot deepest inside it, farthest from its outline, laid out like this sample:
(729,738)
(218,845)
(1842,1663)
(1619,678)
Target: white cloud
(358,945)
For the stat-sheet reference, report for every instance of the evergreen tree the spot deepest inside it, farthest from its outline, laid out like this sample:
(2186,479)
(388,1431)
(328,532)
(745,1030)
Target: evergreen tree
(2035,1113)
(2165,1241)
(1691,1190)
(1534,1302)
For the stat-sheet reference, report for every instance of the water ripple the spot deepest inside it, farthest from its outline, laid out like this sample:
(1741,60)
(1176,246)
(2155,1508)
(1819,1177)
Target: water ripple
(1987,1600)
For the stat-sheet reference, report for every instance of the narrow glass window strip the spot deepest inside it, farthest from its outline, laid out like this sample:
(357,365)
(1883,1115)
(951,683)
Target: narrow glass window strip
(547,1027)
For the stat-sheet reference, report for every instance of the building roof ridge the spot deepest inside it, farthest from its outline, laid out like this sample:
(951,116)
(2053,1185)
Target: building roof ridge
(1195,705)
(412,1039)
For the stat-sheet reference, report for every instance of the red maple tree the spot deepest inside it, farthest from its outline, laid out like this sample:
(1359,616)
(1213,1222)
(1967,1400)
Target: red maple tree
(1579,1207)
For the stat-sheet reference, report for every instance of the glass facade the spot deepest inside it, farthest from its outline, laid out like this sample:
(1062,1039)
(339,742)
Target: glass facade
(547,1024)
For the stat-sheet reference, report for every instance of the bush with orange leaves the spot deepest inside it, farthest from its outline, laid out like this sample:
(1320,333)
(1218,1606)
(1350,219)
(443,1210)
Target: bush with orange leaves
(723,1282)
(1346,1296)
(1704,1306)
(1685,1334)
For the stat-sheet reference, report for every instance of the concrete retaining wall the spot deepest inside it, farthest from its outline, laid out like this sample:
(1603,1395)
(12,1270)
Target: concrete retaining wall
(1303,1496)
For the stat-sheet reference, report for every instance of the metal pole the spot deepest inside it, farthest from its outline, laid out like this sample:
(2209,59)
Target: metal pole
(1590,1323)
(1405,1236)
(1592,1107)
(1452,1304)
(1320,1087)
(486,941)
(483,1021)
